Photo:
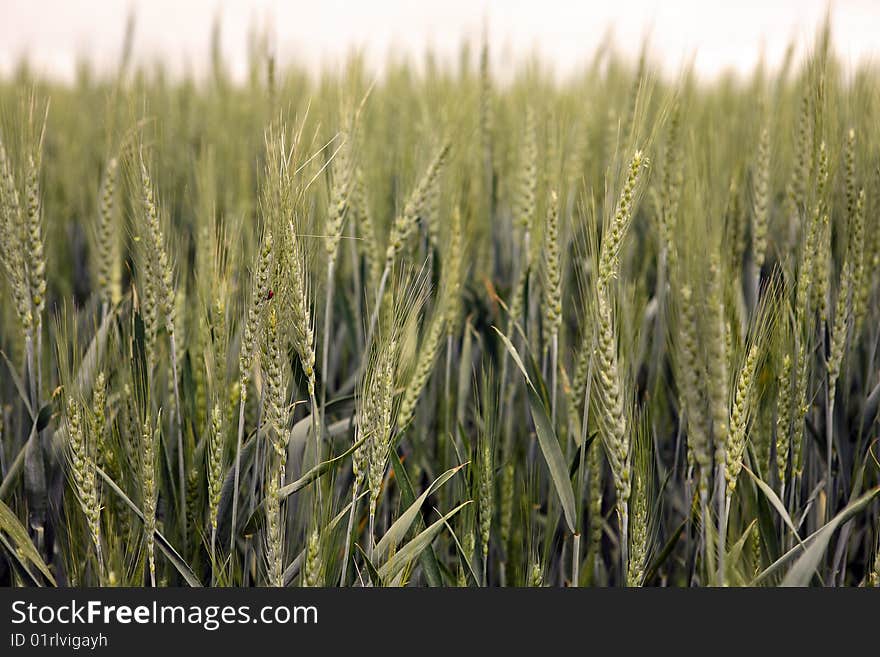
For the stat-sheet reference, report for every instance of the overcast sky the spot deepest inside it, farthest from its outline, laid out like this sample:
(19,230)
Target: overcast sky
(718,34)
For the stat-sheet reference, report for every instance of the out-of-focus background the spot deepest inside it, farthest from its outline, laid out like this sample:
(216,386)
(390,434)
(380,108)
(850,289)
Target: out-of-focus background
(718,35)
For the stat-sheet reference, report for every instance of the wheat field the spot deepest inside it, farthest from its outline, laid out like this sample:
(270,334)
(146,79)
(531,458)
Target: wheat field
(436,328)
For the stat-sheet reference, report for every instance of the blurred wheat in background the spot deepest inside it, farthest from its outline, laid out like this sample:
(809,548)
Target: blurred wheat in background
(434,328)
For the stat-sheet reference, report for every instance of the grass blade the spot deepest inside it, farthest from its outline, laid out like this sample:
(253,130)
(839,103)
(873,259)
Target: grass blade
(164,544)
(805,567)
(414,548)
(553,456)
(398,530)
(24,548)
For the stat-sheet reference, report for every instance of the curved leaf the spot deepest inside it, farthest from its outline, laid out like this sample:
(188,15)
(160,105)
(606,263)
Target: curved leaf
(318,471)
(398,530)
(164,544)
(553,456)
(413,549)
(371,569)
(430,565)
(804,568)
(514,354)
(24,548)
(774,500)
(547,439)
